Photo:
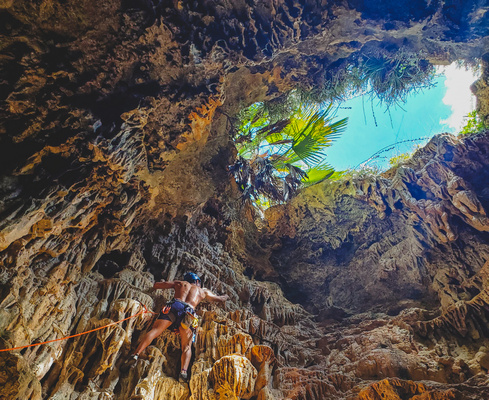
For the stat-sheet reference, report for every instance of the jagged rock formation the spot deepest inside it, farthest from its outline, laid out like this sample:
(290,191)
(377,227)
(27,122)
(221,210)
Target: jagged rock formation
(114,141)
(408,249)
(402,229)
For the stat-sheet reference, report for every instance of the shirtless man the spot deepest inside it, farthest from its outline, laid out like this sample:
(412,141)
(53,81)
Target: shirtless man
(178,314)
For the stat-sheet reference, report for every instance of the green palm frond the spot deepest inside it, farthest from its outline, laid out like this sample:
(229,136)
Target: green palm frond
(312,131)
(286,153)
(257,128)
(318,174)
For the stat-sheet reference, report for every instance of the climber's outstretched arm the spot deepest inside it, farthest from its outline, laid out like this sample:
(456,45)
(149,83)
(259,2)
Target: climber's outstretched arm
(164,285)
(214,297)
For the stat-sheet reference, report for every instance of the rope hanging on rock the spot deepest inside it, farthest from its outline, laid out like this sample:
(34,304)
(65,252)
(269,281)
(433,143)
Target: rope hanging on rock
(143,311)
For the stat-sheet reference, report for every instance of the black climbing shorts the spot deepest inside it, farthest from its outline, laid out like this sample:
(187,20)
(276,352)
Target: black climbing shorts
(176,311)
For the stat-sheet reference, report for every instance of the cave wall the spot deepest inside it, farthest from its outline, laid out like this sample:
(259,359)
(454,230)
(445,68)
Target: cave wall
(115,128)
(418,231)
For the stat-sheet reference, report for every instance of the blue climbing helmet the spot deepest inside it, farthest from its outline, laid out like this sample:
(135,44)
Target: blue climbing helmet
(191,277)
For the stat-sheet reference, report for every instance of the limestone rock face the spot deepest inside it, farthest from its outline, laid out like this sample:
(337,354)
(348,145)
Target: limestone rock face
(116,120)
(395,389)
(400,227)
(17,380)
(234,377)
(409,232)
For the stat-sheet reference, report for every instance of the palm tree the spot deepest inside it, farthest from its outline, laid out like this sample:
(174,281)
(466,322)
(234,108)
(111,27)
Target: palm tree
(277,157)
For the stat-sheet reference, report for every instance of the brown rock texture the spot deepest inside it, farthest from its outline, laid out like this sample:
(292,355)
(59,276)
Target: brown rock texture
(115,137)
(407,265)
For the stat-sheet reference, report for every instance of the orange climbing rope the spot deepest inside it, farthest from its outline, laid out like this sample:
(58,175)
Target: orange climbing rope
(144,311)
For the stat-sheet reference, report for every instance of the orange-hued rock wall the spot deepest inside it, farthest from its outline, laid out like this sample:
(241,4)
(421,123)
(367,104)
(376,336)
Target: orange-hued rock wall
(116,125)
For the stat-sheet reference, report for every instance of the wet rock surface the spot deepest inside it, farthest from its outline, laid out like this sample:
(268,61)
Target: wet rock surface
(115,122)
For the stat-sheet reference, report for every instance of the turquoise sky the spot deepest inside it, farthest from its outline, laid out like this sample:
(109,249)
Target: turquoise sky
(419,117)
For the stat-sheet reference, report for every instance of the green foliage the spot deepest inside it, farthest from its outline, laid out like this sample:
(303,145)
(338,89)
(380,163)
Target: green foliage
(378,75)
(389,78)
(277,156)
(392,79)
(397,160)
(474,124)
(282,142)
(358,172)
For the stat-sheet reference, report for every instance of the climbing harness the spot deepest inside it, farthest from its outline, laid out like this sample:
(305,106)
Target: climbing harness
(143,311)
(190,320)
(167,308)
(180,314)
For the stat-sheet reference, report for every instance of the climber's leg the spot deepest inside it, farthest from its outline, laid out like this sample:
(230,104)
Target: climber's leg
(186,339)
(158,327)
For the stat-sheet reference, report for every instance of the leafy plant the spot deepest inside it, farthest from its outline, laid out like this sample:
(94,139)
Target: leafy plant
(397,160)
(379,74)
(392,79)
(281,142)
(474,124)
(362,171)
(278,156)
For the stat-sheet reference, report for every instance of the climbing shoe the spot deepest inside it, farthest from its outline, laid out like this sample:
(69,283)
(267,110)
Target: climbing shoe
(130,363)
(183,377)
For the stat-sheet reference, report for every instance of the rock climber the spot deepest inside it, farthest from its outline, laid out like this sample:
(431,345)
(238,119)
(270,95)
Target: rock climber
(178,315)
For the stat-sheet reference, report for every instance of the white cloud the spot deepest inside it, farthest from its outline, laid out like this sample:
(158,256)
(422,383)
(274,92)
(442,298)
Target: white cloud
(458,95)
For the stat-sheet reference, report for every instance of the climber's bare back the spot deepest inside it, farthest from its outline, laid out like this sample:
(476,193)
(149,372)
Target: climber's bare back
(189,293)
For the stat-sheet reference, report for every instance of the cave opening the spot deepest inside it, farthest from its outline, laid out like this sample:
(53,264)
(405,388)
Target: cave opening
(115,142)
(373,116)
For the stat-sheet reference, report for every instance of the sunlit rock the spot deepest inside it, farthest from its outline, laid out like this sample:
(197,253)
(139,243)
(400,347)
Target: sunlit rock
(117,128)
(262,358)
(233,377)
(200,386)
